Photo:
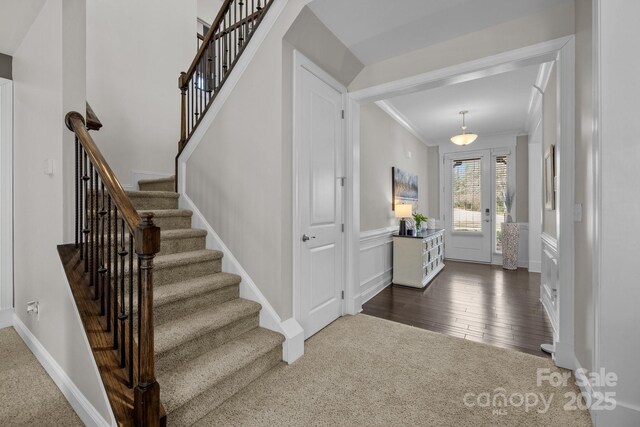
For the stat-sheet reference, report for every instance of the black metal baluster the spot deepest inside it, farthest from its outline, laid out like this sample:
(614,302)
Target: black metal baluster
(96,222)
(115,279)
(130,310)
(85,228)
(108,298)
(123,316)
(77,190)
(92,212)
(103,267)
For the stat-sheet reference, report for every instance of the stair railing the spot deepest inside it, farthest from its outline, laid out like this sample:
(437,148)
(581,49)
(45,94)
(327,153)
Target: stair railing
(218,53)
(108,232)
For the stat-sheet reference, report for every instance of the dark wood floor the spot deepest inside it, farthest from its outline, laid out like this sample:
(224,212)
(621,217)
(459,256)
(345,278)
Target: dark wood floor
(472,301)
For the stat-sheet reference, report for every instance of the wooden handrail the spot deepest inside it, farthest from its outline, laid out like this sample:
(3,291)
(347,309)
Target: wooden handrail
(217,55)
(75,123)
(207,38)
(104,214)
(93,122)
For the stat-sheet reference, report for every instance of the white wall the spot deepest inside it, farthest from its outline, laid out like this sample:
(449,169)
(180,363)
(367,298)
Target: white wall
(208,10)
(549,137)
(49,78)
(384,144)
(617,329)
(135,53)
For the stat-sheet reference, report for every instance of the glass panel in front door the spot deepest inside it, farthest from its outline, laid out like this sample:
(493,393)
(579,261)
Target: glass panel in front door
(466,195)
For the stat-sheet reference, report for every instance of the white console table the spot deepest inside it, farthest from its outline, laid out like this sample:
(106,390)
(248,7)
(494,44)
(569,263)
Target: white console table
(417,259)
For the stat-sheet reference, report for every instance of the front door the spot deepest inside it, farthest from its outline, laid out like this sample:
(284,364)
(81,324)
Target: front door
(319,144)
(468,209)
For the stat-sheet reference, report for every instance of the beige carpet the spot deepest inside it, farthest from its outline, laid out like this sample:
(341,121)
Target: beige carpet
(28,396)
(365,371)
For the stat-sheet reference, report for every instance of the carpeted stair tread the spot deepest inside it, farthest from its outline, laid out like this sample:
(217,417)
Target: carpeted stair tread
(162,213)
(157,184)
(194,325)
(189,380)
(182,233)
(193,288)
(149,200)
(153,194)
(186,289)
(172,260)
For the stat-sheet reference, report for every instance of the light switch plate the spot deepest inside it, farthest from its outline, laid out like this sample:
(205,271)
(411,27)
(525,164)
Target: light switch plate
(577,212)
(48,167)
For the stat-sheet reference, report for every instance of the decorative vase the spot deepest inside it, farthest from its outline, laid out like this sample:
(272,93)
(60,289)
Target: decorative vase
(510,240)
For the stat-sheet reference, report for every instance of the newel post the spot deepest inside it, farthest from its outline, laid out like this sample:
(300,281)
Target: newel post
(147,391)
(183,85)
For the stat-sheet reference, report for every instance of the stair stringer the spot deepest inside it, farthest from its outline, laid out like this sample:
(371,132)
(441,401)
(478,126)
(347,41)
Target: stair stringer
(293,346)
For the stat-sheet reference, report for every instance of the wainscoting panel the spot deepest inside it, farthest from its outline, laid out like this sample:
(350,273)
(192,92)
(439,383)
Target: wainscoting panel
(376,262)
(550,279)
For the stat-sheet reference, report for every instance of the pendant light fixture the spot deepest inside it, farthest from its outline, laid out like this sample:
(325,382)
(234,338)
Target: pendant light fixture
(464,138)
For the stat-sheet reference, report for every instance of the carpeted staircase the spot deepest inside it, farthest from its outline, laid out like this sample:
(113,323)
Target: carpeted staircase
(208,344)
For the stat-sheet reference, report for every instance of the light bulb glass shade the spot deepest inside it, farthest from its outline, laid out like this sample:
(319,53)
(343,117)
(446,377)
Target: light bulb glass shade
(403,211)
(464,138)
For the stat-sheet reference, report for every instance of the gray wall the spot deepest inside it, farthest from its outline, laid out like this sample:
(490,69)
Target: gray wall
(5,66)
(384,144)
(549,124)
(522,179)
(583,314)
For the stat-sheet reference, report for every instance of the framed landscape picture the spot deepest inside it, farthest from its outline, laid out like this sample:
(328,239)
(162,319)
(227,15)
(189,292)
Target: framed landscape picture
(405,188)
(549,178)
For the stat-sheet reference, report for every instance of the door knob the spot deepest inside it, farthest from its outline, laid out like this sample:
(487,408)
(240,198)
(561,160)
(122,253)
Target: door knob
(305,237)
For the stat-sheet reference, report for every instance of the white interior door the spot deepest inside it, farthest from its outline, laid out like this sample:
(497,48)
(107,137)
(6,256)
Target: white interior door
(468,211)
(319,144)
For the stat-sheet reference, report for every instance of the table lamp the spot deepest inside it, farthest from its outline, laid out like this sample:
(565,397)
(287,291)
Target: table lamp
(402,212)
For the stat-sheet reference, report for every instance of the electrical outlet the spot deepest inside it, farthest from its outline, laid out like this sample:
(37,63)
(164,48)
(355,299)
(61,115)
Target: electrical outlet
(33,307)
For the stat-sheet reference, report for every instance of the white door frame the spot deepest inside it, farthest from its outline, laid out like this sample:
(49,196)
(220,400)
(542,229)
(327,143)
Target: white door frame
(6,202)
(561,50)
(303,64)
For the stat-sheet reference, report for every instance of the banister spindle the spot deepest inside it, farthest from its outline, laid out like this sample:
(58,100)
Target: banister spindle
(95,230)
(123,316)
(109,266)
(77,182)
(103,268)
(130,322)
(116,341)
(85,195)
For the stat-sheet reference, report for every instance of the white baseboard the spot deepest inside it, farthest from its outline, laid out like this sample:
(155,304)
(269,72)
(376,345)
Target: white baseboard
(535,266)
(293,347)
(624,414)
(6,318)
(585,386)
(85,410)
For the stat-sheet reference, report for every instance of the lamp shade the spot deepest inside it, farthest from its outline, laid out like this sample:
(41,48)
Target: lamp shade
(403,211)
(464,138)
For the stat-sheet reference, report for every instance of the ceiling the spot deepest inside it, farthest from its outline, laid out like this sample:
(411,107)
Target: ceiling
(16,17)
(375,30)
(497,104)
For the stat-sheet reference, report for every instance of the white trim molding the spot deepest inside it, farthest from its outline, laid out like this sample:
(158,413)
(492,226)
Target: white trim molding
(376,262)
(549,280)
(396,115)
(293,346)
(6,195)
(80,404)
